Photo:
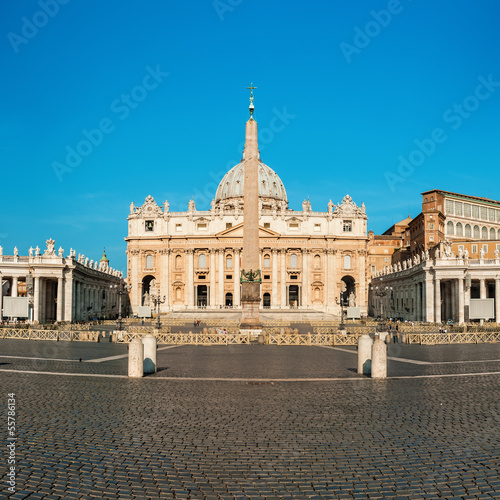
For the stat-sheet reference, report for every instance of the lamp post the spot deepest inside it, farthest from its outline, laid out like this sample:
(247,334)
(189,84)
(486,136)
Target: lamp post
(157,300)
(341,303)
(120,290)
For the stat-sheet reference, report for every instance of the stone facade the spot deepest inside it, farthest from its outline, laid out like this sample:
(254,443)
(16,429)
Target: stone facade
(306,257)
(71,288)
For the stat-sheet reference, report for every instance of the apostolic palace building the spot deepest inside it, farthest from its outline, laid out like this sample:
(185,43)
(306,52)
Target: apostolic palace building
(308,258)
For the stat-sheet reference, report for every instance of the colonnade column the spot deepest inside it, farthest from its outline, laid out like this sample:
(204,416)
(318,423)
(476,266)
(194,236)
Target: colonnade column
(482,288)
(497,300)
(454,302)
(283,278)
(236,295)
(221,278)
(418,303)
(190,281)
(13,290)
(36,299)
(274,291)
(212,278)
(429,301)
(330,284)
(60,299)
(305,277)
(461,301)
(437,300)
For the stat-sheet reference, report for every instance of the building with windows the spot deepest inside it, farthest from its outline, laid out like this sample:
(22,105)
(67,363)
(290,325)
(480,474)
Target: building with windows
(308,259)
(48,287)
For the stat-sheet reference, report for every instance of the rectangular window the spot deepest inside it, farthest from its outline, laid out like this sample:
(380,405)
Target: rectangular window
(491,214)
(229,276)
(229,224)
(267,276)
(373,269)
(474,248)
(485,248)
(294,226)
(475,211)
(202,277)
(293,277)
(267,225)
(467,210)
(150,225)
(458,208)
(484,213)
(431,238)
(347,226)
(317,227)
(449,207)
(178,227)
(202,226)
(498,247)
(387,259)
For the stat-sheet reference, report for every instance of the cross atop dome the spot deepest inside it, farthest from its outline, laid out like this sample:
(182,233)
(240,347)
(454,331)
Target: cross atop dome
(251,107)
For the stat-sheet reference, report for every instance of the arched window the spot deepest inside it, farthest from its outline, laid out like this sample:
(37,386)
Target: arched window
(459,229)
(202,260)
(267,261)
(476,232)
(347,262)
(317,293)
(317,262)
(492,234)
(484,233)
(467,230)
(149,262)
(450,228)
(178,262)
(293,260)
(178,293)
(229,261)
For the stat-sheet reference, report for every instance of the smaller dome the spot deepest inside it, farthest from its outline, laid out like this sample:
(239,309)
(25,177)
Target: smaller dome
(270,185)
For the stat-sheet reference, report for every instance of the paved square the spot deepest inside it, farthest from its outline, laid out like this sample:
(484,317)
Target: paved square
(251,422)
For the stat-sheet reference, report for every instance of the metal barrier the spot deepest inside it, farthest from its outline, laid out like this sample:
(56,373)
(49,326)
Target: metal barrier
(453,338)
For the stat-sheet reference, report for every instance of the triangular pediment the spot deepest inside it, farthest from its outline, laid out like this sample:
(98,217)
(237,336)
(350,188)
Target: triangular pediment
(237,232)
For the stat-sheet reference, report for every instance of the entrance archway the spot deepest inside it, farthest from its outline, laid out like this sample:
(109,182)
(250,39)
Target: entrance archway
(148,285)
(229,299)
(266,300)
(202,295)
(348,292)
(293,296)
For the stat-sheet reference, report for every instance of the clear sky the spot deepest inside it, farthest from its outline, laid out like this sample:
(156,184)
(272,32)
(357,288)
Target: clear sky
(380,100)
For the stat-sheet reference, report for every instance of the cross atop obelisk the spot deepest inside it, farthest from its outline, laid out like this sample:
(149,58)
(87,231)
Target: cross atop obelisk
(251,88)
(250,272)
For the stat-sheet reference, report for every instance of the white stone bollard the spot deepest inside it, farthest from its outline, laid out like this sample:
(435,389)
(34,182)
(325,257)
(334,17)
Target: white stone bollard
(136,358)
(379,359)
(365,343)
(149,342)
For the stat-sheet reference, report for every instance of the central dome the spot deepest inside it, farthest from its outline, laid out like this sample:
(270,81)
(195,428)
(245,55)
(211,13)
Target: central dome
(270,185)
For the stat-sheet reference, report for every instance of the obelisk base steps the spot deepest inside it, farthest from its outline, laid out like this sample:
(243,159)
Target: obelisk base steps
(250,302)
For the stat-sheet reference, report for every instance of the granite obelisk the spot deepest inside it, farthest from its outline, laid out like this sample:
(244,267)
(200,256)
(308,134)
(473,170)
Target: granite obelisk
(250,273)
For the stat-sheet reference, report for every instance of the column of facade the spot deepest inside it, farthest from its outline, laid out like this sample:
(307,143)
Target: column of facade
(418,302)
(429,301)
(13,290)
(461,300)
(305,278)
(274,290)
(236,294)
(283,278)
(454,301)
(212,278)
(331,290)
(60,299)
(72,313)
(437,300)
(136,287)
(482,288)
(190,278)
(220,299)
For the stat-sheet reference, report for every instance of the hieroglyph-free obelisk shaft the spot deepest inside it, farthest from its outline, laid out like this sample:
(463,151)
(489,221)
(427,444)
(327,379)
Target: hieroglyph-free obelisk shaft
(250,272)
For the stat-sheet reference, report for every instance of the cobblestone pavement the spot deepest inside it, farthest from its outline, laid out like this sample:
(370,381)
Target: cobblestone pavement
(353,437)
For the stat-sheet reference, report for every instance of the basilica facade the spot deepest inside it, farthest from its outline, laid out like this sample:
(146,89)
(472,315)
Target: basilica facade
(310,260)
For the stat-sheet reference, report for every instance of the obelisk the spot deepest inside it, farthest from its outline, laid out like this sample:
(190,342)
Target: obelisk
(250,272)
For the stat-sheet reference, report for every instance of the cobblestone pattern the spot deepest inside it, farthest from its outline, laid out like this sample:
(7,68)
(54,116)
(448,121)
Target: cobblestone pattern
(139,439)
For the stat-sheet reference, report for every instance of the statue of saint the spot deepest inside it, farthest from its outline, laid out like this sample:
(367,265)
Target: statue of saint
(16,252)
(132,208)
(30,252)
(352,300)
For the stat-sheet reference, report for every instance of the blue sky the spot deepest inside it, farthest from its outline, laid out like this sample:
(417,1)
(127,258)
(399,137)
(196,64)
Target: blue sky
(380,100)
